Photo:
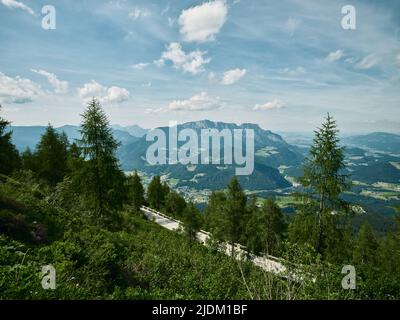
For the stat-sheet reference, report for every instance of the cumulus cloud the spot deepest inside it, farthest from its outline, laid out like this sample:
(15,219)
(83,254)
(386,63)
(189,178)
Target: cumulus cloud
(274,104)
(137,13)
(112,95)
(231,76)
(367,62)
(294,72)
(59,86)
(12,4)
(192,62)
(201,23)
(18,90)
(334,56)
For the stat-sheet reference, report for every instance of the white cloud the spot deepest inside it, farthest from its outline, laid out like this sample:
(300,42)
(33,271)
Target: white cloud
(171,22)
(192,62)
(154,111)
(59,86)
(294,72)
(292,25)
(140,66)
(398,60)
(231,76)
(18,90)
(137,13)
(203,22)
(116,95)
(274,104)
(334,56)
(12,4)
(351,60)
(112,95)
(367,62)
(199,102)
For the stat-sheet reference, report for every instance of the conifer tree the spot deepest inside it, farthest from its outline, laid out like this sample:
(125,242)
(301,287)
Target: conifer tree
(175,204)
(324,180)
(265,228)
(191,221)
(9,156)
(235,211)
(29,160)
(156,193)
(215,217)
(365,248)
(101,180)
(51,156)
(136,191)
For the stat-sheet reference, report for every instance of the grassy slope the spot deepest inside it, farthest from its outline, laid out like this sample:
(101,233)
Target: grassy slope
(136,260)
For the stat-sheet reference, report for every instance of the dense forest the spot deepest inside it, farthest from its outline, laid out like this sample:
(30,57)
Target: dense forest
(71,206)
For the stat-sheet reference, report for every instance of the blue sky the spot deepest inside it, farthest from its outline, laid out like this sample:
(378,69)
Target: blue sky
(281,64)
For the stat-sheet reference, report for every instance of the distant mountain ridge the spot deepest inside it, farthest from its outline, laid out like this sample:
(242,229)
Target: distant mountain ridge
(380,141)
(271,151)
(28,136)
(133,130)
(370,158)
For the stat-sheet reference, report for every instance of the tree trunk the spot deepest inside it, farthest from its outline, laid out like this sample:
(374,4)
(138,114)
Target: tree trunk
(319,222)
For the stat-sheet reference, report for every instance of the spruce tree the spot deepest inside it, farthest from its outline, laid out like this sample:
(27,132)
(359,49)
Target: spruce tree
(51,156)
(366,247)
(235,212)
(215,217)
(191,221)
(100,178)
(265,228)
(29,160)
(9,156)
(136,191)
(156,193)
(175,204)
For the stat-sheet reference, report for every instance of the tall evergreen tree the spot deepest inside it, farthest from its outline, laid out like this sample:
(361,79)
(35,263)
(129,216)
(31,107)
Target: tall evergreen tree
(156,192)
(215,215)
(265,228)
(136,191)
(366,247)
(324,179)
(191,221)
(29,160)
(9,156)
(235,211)
(101,180)
(51,156)
(175,204)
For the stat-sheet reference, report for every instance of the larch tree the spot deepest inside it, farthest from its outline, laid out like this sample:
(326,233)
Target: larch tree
(325,180)
(100,177)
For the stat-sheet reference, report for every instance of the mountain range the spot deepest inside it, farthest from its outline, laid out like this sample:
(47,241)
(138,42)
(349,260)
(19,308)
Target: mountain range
(372,160)
(28,136)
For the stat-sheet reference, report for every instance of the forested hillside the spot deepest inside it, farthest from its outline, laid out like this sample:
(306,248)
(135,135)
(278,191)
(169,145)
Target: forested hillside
(71,206)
